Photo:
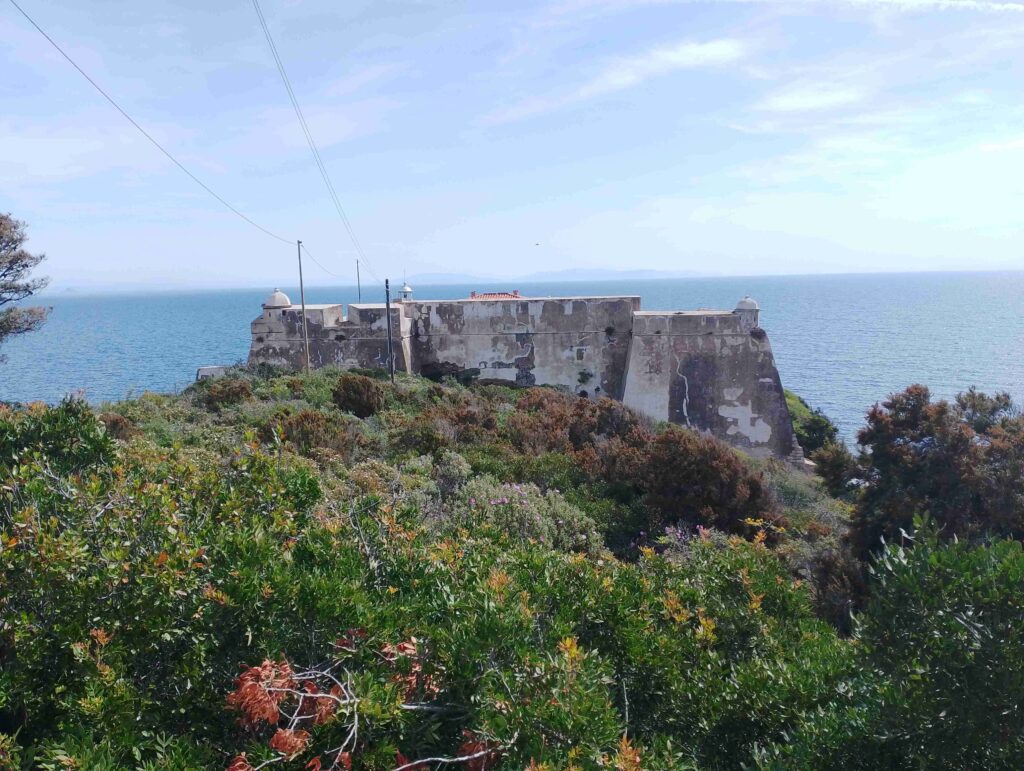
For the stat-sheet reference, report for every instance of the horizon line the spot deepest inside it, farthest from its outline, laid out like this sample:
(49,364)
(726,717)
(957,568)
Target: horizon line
(95,291)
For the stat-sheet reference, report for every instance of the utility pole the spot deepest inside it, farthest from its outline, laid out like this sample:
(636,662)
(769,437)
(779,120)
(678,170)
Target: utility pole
(391,352)
(359,284)
(302,298)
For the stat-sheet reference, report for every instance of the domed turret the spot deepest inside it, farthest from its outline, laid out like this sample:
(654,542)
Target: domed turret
(406,291)
(748,310)
(277,299)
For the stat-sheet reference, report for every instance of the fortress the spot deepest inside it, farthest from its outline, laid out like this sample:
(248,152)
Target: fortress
(711,370)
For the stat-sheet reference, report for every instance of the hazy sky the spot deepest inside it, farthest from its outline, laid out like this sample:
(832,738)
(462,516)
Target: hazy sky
(509,137)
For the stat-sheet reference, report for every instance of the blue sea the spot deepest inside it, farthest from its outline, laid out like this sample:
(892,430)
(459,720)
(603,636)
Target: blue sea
(843,342)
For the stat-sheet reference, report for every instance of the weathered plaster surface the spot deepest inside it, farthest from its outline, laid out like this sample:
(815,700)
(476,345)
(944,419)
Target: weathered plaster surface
(579,343)
(712,371)
(709,370)
(358,340)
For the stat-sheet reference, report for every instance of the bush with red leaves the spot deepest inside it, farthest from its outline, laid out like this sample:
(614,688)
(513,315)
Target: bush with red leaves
(699,479)
(681,475)
(961,463)
(358,394)
(259,692)
(272,696)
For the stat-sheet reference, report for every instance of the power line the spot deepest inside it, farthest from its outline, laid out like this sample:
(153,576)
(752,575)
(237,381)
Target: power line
(143,131)
(319,264)
(178,163)
(305,251)
(312,144)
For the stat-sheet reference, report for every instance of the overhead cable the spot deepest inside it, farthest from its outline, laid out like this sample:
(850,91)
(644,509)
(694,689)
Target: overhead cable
(305,250)
(143,131)
(312,143)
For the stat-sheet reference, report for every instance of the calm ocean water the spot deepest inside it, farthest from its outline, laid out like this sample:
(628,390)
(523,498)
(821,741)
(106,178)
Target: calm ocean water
(842,342)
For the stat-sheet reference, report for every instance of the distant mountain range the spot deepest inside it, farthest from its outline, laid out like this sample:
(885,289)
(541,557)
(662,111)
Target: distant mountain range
(571,274)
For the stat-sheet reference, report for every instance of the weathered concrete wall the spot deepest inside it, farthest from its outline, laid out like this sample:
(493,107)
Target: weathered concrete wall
(579,343)
(709,370)
(358,340)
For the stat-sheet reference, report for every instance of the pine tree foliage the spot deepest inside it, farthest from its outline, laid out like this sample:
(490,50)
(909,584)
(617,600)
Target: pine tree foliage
(16,263)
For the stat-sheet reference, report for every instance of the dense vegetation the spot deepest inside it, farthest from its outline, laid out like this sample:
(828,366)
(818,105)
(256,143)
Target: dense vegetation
(328,571)
(813,428)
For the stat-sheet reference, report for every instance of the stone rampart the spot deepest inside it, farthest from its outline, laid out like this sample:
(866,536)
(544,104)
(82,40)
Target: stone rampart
(705,370)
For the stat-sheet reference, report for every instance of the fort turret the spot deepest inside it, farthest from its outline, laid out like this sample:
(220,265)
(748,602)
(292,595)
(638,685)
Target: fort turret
(276,301)
(748,310)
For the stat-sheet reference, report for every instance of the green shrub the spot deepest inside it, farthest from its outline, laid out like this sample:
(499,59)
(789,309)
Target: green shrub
(80,749)
(226,391)
(67,438)
(816,549)
(550,471)
(315,387)
(940,666)
(308,430)
(373,374)
(358,394)
(451,471)
(118,426)
(419,435)
(695,478)
(812,427)
(10,752)
(523,512)
(837,468)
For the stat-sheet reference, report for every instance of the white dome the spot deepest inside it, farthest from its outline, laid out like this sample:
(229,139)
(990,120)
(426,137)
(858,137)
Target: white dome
(277,299)
(748,303)
(406,289)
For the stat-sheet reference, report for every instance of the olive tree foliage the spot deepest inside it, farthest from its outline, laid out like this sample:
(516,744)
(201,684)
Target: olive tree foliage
(16,263)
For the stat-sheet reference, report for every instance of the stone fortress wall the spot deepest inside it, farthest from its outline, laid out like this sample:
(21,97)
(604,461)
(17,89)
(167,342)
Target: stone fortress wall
(710,370)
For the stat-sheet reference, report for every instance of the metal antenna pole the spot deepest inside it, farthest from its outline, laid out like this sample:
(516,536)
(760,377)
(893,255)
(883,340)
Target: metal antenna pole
(302,298)
(387,305)
(359,284)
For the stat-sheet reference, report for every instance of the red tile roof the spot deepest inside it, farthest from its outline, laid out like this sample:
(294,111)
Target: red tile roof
(513,295)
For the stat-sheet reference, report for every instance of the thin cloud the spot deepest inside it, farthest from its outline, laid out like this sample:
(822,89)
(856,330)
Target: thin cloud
(985,6)
(634,70)
(561,12)
(1002,147)
(812,97)
(628,72)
